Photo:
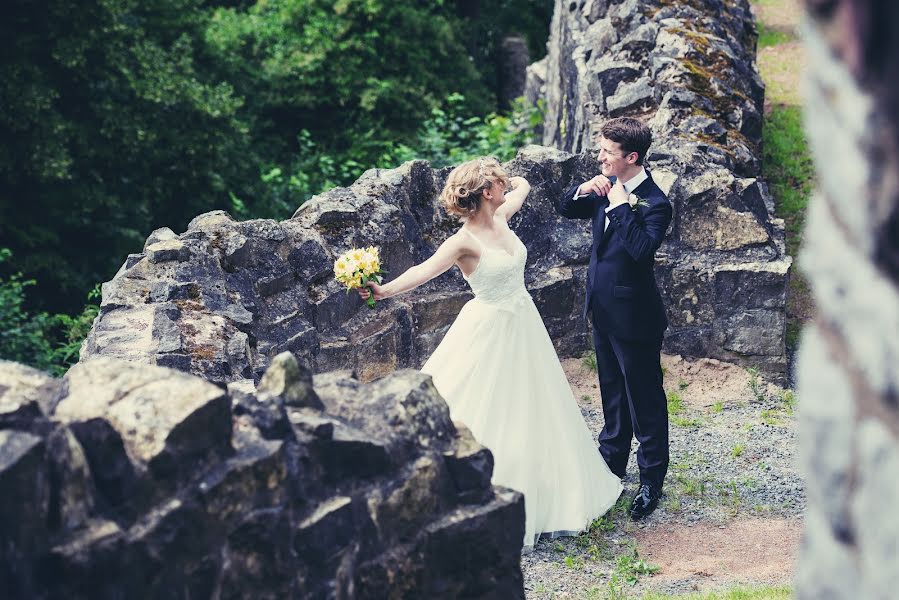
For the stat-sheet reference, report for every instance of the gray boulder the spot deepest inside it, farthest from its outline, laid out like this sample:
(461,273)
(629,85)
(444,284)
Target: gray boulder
(142,481)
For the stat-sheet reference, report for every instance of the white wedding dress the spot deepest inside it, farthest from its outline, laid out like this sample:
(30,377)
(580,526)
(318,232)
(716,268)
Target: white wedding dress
(500,375)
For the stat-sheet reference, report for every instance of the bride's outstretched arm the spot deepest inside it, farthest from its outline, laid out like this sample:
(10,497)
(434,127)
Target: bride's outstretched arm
(440,262)
(514,199)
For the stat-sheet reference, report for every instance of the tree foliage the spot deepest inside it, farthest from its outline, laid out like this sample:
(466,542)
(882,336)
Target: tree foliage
(111,128)
(48,342)
(121,116)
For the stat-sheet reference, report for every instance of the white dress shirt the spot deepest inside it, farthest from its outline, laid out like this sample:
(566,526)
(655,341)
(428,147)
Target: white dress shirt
(629,186)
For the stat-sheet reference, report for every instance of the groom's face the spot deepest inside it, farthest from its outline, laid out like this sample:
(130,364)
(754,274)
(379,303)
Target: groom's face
(612,159)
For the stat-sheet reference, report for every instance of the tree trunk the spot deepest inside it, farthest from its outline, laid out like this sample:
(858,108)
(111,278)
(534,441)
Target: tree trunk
(848,370)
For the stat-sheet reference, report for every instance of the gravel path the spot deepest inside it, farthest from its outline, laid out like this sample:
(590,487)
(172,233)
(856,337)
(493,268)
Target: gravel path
(732,504)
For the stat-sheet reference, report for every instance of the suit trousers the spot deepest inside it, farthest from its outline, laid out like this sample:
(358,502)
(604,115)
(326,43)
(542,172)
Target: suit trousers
(633,404)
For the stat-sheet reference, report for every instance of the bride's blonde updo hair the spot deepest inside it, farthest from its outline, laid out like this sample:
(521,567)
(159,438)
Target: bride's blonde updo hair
(462,193)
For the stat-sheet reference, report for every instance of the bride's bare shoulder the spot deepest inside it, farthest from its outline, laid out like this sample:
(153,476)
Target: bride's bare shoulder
(464,242)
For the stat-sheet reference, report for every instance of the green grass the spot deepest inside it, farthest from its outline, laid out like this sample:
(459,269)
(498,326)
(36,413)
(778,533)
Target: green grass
(573,562)
(786,161)
(771,417)
(772,37)
(588,361)
(675,403)
(717,407)
(788,168)
(689,486)
(794,330)
(676,409)
(737,450)
(603,523)
(739,593)
(788,400)
(687,421)
(630,567)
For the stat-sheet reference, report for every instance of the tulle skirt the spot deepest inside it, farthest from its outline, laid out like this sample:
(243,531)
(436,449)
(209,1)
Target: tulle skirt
(500,375)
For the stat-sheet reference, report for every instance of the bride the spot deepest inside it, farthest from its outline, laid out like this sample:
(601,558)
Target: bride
(497,368)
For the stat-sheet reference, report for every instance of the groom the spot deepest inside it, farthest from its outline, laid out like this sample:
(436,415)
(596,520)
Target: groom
(630,215)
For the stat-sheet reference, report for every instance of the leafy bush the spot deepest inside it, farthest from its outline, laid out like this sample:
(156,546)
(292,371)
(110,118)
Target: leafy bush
(47,342)
(452,134)
(22,336)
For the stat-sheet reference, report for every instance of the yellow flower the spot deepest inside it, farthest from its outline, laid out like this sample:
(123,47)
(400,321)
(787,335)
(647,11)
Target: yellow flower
(355,264)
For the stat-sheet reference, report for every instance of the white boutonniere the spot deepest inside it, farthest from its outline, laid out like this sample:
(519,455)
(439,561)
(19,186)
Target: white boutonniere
(635,201)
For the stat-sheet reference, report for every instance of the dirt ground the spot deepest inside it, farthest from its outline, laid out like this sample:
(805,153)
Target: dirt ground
(743,550)
(781,66)
(747,549)
(710,381)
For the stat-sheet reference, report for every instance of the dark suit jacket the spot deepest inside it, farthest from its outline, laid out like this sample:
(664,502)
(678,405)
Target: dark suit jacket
(620,279)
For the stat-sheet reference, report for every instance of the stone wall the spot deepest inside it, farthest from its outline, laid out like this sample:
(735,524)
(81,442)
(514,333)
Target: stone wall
(688,70)
(135,481)
(224,297)
(848,367)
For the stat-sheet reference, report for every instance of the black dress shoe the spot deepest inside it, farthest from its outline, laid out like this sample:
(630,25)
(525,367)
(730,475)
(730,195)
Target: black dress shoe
(646,501)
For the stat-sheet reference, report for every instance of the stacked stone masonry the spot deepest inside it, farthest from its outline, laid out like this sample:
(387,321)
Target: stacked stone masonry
(125,480)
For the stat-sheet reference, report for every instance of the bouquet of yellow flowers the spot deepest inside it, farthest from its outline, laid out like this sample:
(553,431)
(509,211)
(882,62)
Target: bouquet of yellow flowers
(356,267)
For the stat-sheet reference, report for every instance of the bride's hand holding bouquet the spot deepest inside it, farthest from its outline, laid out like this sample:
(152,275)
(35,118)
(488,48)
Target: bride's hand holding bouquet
(370,292)
(360,267)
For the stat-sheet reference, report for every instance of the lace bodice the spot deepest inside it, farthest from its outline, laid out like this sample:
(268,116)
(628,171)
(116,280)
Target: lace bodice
(499,276)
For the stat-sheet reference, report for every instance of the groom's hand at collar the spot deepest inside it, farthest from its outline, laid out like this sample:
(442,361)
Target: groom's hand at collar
(617,195)
(599,185)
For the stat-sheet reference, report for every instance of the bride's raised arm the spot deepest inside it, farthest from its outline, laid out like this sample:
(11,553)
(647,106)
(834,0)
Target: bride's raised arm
(440,262)
(515,198)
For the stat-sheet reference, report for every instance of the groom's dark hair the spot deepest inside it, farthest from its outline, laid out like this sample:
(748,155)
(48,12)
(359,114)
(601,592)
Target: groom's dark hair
(632,135)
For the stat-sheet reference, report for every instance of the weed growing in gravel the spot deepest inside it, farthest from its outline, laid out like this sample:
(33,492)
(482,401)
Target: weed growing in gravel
(717,407)
(730,497)
(688,462)
(755,385)
(689,486)
(585,398)
(771,417)
(588,361)
(762,509)
(687,421)
(603,523)
(671,503)
(675,403)
(615,589)
(788,401)
(599,552)
(750,483)
(682,385)
(737,450)
(630,567)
